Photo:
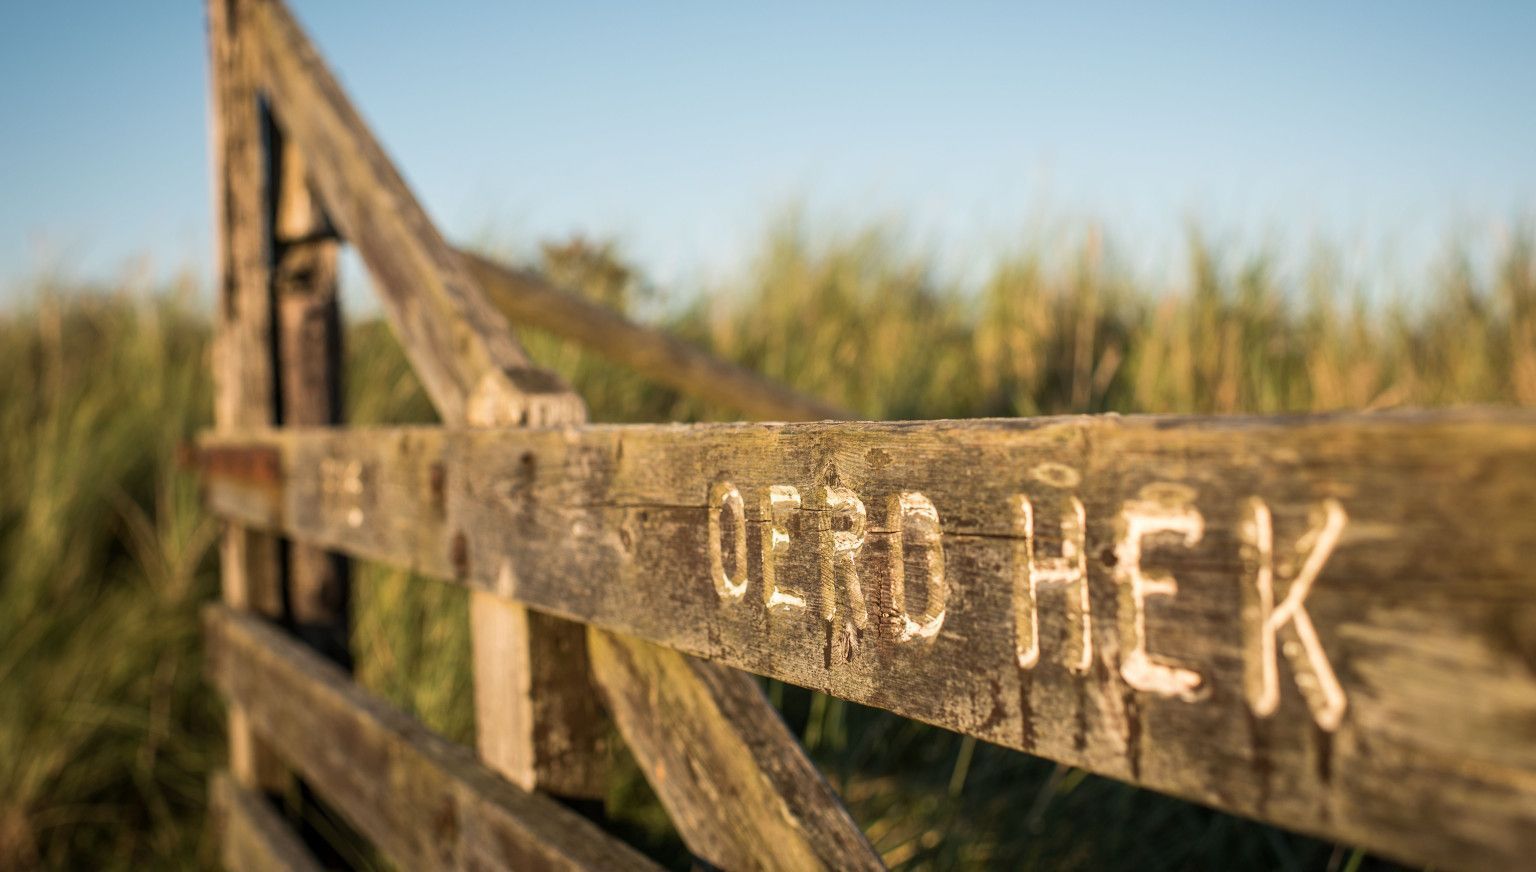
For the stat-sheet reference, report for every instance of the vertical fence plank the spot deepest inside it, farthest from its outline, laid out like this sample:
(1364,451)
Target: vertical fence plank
(304,278)
(537,719)
(244,382)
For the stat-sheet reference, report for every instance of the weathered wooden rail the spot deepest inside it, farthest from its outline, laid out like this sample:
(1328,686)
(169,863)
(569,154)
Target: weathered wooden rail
(1325,622)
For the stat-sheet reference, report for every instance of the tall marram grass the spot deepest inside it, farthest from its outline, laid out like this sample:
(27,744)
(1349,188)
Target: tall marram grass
(106,736)
(107,733)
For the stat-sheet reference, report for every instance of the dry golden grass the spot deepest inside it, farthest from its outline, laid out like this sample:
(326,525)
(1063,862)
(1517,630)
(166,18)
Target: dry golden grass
(107,735)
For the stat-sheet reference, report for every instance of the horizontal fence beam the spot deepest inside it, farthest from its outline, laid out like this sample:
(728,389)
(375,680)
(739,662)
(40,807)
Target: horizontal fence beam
(1327,622)
(424,801)
(529,299)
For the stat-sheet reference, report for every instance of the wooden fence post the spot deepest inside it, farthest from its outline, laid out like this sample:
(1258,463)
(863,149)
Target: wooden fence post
(305,250)
(539,719)
(245,389)
(276,353)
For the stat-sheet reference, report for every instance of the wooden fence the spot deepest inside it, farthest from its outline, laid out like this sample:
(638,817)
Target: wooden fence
(1325,622)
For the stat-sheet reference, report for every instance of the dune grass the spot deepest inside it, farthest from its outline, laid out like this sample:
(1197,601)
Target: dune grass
(107,733)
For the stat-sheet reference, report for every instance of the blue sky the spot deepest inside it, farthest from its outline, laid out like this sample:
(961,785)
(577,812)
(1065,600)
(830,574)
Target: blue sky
(682,129)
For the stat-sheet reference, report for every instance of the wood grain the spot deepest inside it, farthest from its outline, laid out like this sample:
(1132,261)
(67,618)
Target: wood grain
(732,777)
(252,836)
(245,388)
(309,353)
(424,801)
(529,299)
(534,707)
(1385,695)
(538,719)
